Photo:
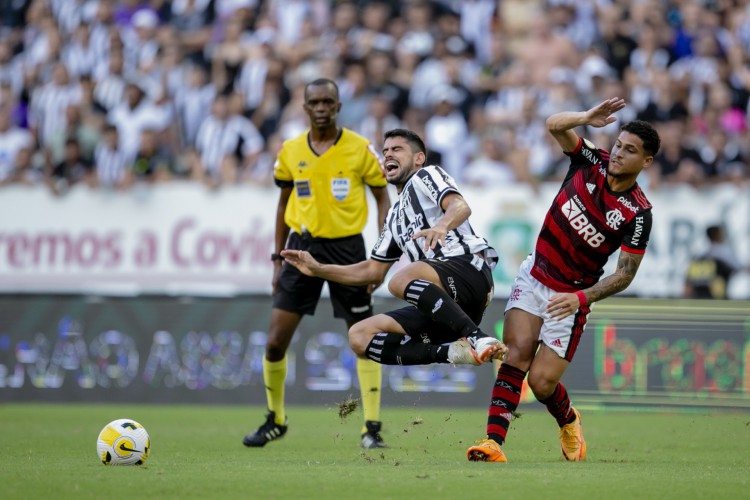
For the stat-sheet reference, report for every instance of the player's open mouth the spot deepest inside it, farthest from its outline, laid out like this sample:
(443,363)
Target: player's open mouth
(390,166)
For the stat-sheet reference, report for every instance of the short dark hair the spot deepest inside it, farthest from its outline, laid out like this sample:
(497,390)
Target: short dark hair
(714,232)
(647,133)
(320,82)
(412,138)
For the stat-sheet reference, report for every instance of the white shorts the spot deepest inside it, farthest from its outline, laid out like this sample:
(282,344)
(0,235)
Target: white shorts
(528,294)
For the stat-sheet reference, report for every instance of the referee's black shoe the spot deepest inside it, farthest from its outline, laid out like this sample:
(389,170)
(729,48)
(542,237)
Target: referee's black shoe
(269,431)
(371,438)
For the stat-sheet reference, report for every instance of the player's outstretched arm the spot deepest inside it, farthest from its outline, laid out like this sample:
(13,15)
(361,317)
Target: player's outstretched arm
(562,305)
(561,125)
(362,273)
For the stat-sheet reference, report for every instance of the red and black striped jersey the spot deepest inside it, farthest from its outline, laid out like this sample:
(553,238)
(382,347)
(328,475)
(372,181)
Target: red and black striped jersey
(587,223)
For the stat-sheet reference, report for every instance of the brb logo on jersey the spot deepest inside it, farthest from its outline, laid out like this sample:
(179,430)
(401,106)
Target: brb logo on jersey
(580,223)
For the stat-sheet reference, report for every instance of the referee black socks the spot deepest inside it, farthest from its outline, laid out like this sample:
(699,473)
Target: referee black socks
(436,303)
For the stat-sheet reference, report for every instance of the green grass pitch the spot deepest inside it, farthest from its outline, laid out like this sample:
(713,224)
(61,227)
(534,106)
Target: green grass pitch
(49,451)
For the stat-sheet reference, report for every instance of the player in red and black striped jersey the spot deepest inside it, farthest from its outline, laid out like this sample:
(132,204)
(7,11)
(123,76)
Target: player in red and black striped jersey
(588,222)
(599,209)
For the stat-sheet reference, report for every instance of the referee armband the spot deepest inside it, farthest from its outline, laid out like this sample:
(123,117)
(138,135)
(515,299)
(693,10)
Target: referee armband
(283,184)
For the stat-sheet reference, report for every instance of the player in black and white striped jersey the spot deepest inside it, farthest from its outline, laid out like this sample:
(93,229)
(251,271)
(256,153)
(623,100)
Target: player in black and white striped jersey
(448,282)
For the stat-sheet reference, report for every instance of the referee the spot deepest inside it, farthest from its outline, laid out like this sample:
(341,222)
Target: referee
(322,174)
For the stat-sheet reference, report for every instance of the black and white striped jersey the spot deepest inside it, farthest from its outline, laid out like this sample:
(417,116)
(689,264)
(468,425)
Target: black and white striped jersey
(418,207)
(112,165)
(109,90)
(217,139)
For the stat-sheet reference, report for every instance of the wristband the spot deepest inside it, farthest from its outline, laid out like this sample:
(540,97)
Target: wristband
(275,256)
(581,298)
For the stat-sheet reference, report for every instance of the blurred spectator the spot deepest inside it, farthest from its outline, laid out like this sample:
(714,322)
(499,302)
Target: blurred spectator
(476,19)
(418,38)
(79,55)
(76,128)
(503,106)
(373,35)
(724,158)
(446,132)
(661,99)
(592,75)
(191,20)
(227,142)
(676,161)
(42,42)
(379,67)
(72,170)
(250,142)
(192,103)
(235,9)
(684,64)
(48,103)
(25,173)
(12,14)
(266,115)
(267,159)
(648,55)
(126,9)
(251,81)
(110,85)
(341,36)
(293,120)
(141,44)
(11,69)
(13,140)
(170,73)
(545,48)
(489,168)
(720,113)
(490,77)
(103,30)
(355,96)
(616,44)
(111,164)
(709,274)
(289,16)
(152,162)
(137,113)
(560,93)
(378,121)
(229,55)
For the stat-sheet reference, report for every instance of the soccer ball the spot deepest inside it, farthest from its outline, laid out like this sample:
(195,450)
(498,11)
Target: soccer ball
(123,442)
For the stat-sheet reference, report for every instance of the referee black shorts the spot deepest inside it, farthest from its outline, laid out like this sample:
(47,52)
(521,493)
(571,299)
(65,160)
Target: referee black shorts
(299,293)
(468,280)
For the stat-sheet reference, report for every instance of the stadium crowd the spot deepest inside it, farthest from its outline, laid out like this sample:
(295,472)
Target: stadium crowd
(114,92)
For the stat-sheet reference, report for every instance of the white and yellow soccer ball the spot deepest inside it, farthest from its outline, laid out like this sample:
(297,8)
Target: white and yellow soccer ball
(123,442)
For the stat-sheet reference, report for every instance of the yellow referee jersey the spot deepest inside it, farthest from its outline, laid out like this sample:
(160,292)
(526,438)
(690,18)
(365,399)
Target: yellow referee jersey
(328,197)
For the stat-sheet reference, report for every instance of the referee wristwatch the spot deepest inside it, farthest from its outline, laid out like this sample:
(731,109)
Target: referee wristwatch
(276,256)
